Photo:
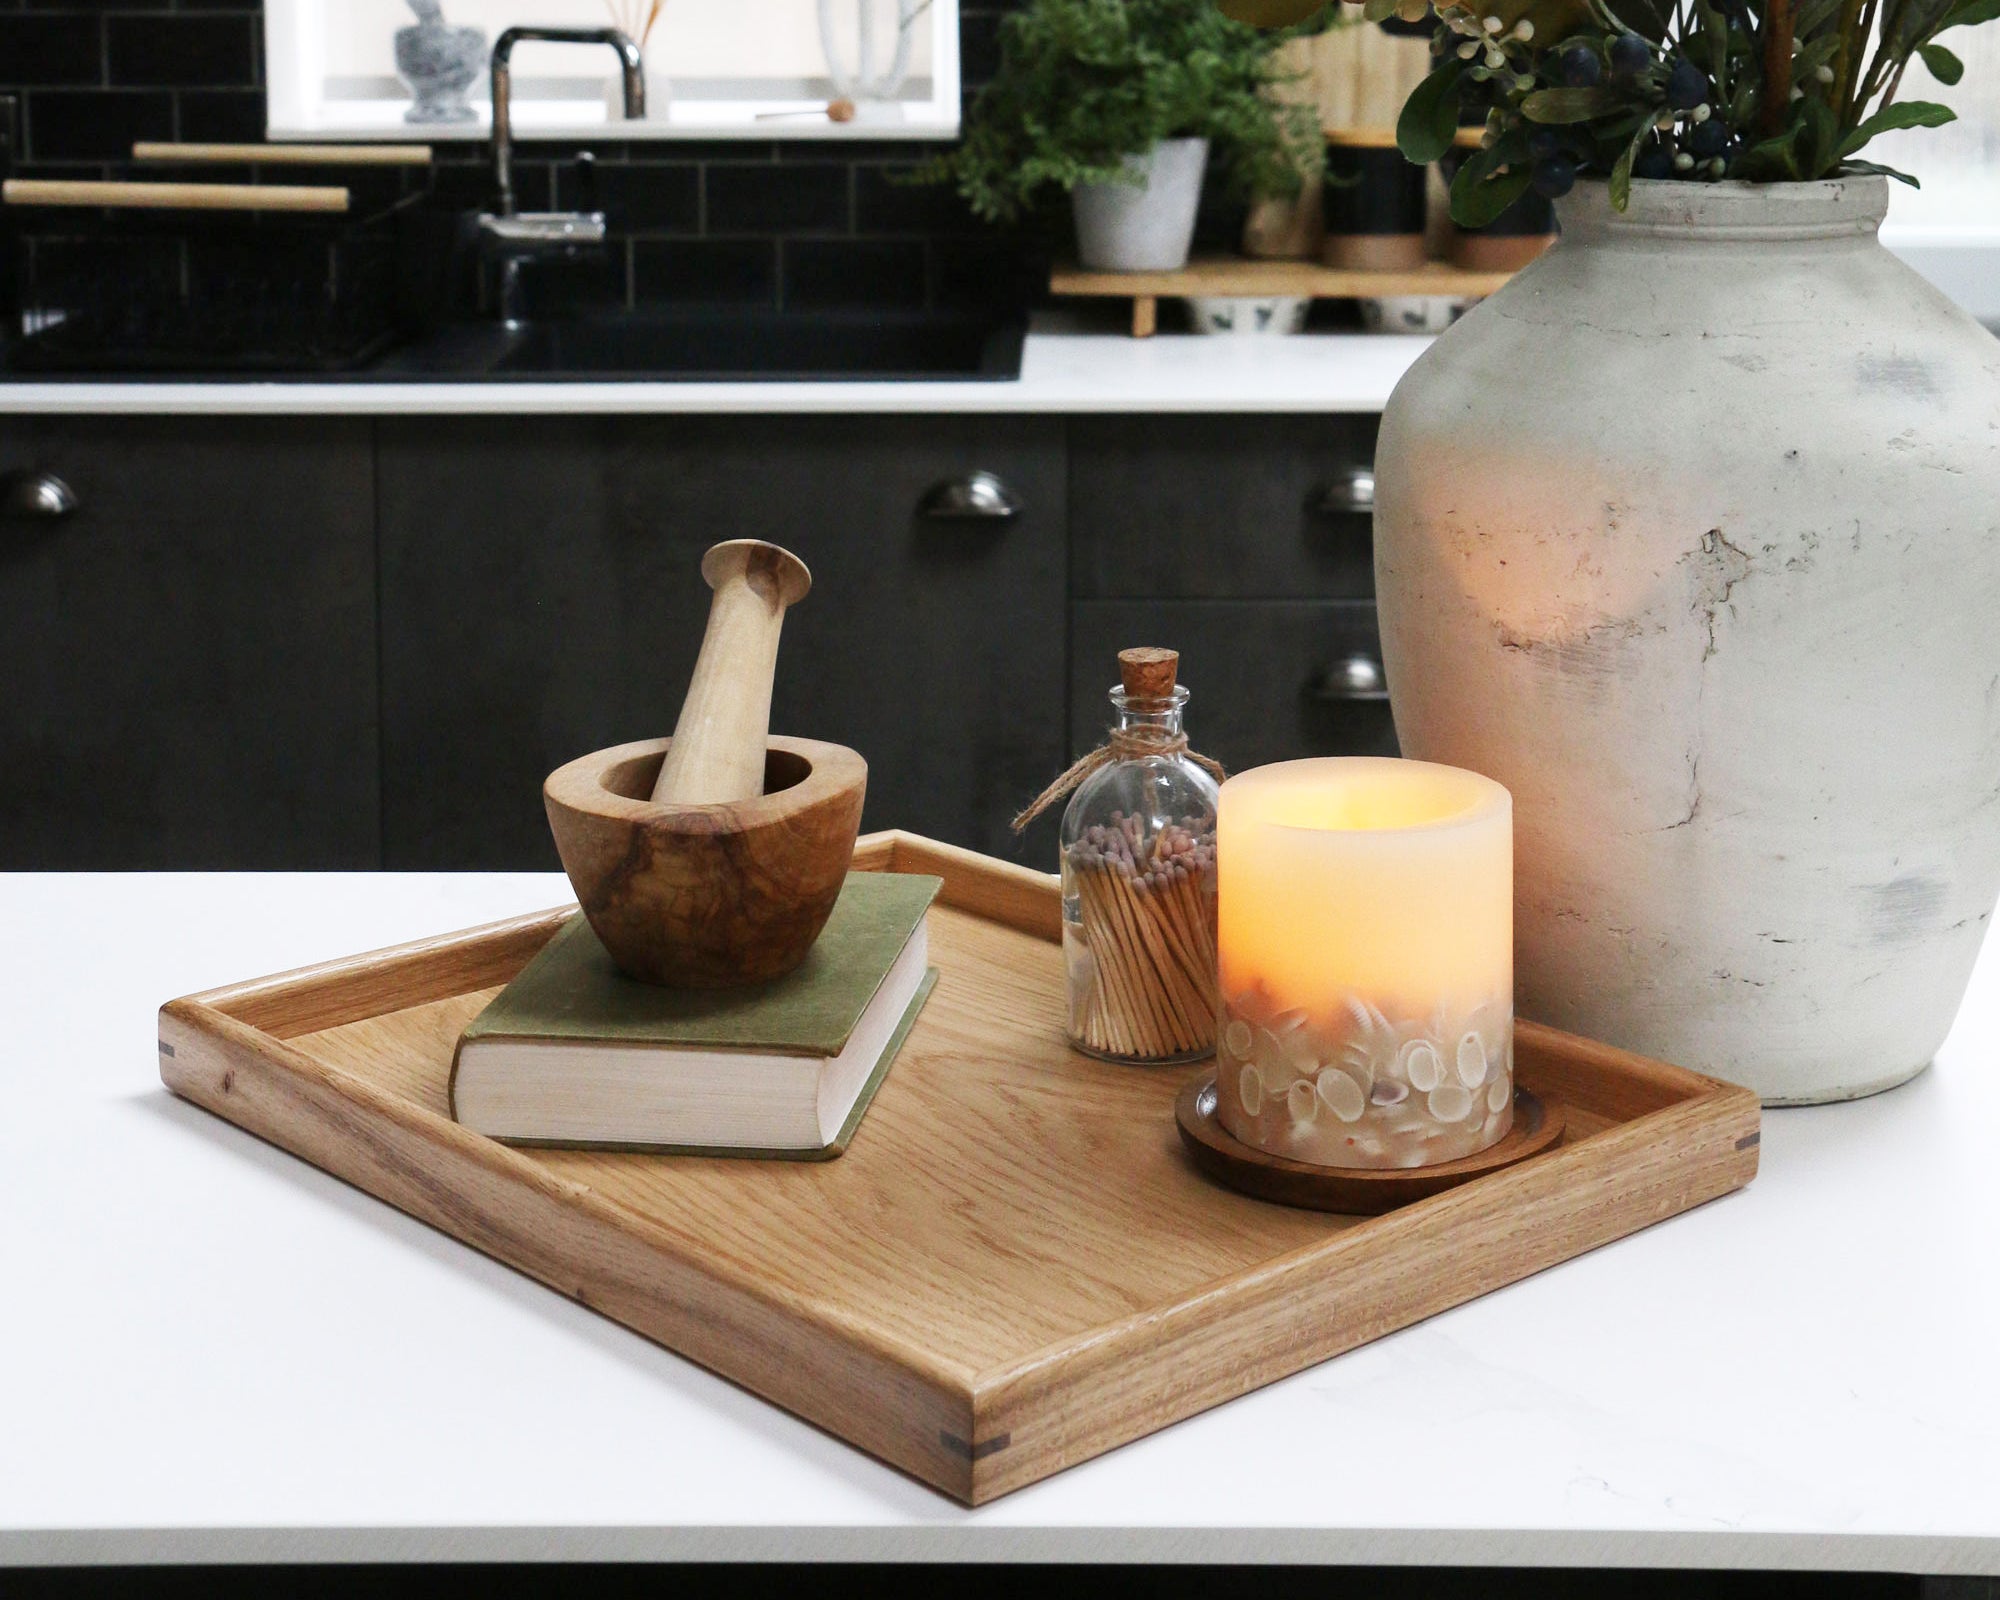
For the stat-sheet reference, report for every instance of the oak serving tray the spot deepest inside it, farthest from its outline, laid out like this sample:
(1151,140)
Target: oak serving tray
(1015,1266)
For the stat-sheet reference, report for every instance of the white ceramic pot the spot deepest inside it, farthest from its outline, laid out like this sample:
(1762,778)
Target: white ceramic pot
(1146,226)
(1247,316)
(1690,536)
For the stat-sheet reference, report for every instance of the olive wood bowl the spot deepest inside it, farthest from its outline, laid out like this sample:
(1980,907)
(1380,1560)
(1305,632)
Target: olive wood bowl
(708,896)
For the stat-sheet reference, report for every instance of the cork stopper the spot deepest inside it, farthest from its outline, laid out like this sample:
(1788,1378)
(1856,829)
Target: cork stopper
(1148,673)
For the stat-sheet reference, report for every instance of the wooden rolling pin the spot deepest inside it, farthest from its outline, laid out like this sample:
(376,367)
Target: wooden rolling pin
(172,196)
(288,155)
(718,750)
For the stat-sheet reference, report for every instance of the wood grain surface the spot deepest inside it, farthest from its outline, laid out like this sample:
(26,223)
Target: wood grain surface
(1015,1266)
(285,155)
(173,196)
(708,896)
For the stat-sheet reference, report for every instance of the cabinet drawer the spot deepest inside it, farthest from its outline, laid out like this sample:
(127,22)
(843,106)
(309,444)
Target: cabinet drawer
(1270,680)
(187,644)
(1238,507)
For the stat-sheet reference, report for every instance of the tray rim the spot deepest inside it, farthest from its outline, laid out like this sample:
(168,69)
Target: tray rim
(227,1049)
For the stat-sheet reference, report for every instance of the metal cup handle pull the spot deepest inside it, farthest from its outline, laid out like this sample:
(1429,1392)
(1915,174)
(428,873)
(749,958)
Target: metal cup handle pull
(976,497)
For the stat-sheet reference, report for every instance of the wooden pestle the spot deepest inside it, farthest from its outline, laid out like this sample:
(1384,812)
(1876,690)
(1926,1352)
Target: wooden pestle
(718,750)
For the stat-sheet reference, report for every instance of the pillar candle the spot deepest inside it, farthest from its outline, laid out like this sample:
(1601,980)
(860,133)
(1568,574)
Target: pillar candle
(1366,939)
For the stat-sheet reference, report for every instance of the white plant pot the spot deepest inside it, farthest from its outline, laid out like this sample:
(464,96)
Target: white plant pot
(1690,536)
(1147,226)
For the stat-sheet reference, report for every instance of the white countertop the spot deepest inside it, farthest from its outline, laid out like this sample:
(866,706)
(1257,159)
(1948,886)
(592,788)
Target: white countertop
(211,1351)
(1061,371)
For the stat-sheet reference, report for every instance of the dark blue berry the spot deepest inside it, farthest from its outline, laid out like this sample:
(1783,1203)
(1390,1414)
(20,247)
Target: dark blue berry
(1655,161)
(1544,143)
(1630,55)
(1706,139)
(1553,178)
(1580,67)
(1687,85)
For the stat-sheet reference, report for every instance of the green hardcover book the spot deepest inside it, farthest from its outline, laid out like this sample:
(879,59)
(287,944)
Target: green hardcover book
(572,1052)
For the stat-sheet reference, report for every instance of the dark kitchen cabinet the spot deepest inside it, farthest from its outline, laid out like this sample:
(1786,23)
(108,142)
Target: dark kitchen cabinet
(188,655)
(1268,680)
(1221,507)
(1244,543)
(334,642)
(539,600)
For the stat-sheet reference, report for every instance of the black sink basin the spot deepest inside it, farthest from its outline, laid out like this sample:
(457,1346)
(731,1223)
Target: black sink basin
(720,346)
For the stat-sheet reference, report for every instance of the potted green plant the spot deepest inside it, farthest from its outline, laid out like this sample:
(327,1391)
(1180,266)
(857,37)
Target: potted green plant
(1117,103)
(1690,534)
(1759,91)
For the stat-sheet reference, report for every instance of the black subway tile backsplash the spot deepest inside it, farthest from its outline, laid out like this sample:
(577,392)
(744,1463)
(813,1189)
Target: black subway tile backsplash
(222,116)
(886,201)
(805,223)
(761,197)
(182,51)
(52,50)
(648,199)
(95,125)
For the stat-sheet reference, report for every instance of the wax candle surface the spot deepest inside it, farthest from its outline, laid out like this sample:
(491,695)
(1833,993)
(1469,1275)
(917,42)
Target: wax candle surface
(1366,931)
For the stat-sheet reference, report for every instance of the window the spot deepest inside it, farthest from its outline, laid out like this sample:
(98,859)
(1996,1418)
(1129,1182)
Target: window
(715,69)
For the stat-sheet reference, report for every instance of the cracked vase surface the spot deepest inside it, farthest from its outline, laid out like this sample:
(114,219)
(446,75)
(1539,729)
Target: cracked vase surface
(1690,536)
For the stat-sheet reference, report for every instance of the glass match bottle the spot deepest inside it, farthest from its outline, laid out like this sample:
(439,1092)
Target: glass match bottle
(1138,879)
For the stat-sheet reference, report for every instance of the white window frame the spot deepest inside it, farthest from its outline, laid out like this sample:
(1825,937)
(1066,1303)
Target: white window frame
(301,109)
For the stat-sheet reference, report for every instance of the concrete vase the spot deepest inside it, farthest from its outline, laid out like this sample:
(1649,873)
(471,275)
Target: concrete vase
(1690,536)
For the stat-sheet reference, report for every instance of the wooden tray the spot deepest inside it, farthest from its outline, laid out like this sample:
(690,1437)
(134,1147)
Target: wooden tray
(1015,1267)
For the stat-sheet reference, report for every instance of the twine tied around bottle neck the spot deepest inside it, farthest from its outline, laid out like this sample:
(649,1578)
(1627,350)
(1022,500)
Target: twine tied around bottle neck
(1126,744)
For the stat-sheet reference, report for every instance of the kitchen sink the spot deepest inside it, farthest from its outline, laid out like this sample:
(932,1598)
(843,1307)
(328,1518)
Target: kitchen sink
(721,346)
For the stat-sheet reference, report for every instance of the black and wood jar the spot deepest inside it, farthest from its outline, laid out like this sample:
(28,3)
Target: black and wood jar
(1512,239)
(1375,203)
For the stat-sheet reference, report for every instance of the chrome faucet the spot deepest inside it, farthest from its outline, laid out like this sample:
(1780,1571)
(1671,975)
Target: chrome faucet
(629,57)
(510,237)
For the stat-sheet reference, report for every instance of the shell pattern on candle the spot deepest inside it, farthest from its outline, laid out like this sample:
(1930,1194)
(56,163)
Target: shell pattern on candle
(1361,1090)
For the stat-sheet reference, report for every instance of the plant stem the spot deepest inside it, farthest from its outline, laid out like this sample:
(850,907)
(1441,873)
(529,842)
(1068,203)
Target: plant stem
(1896,81)
(1847,60)
(1777,66)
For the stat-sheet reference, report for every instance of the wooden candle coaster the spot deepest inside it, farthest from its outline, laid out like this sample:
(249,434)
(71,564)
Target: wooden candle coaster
(1361,1191)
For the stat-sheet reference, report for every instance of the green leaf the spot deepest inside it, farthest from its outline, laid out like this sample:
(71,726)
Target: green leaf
(1568,105)
(1715,32)
(1377,10)
(1478,202)
(1941,64)
(1270,13)
(1773,160)
(1621,171)
(1971,13)
(1429,121)
(1878,170)
(1910,23)
(1903,114)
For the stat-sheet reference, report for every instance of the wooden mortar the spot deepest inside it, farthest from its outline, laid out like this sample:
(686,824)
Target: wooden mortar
(708,896)
(713,858)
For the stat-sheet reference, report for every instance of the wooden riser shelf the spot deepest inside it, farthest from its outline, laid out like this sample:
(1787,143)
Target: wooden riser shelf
(1231,276)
